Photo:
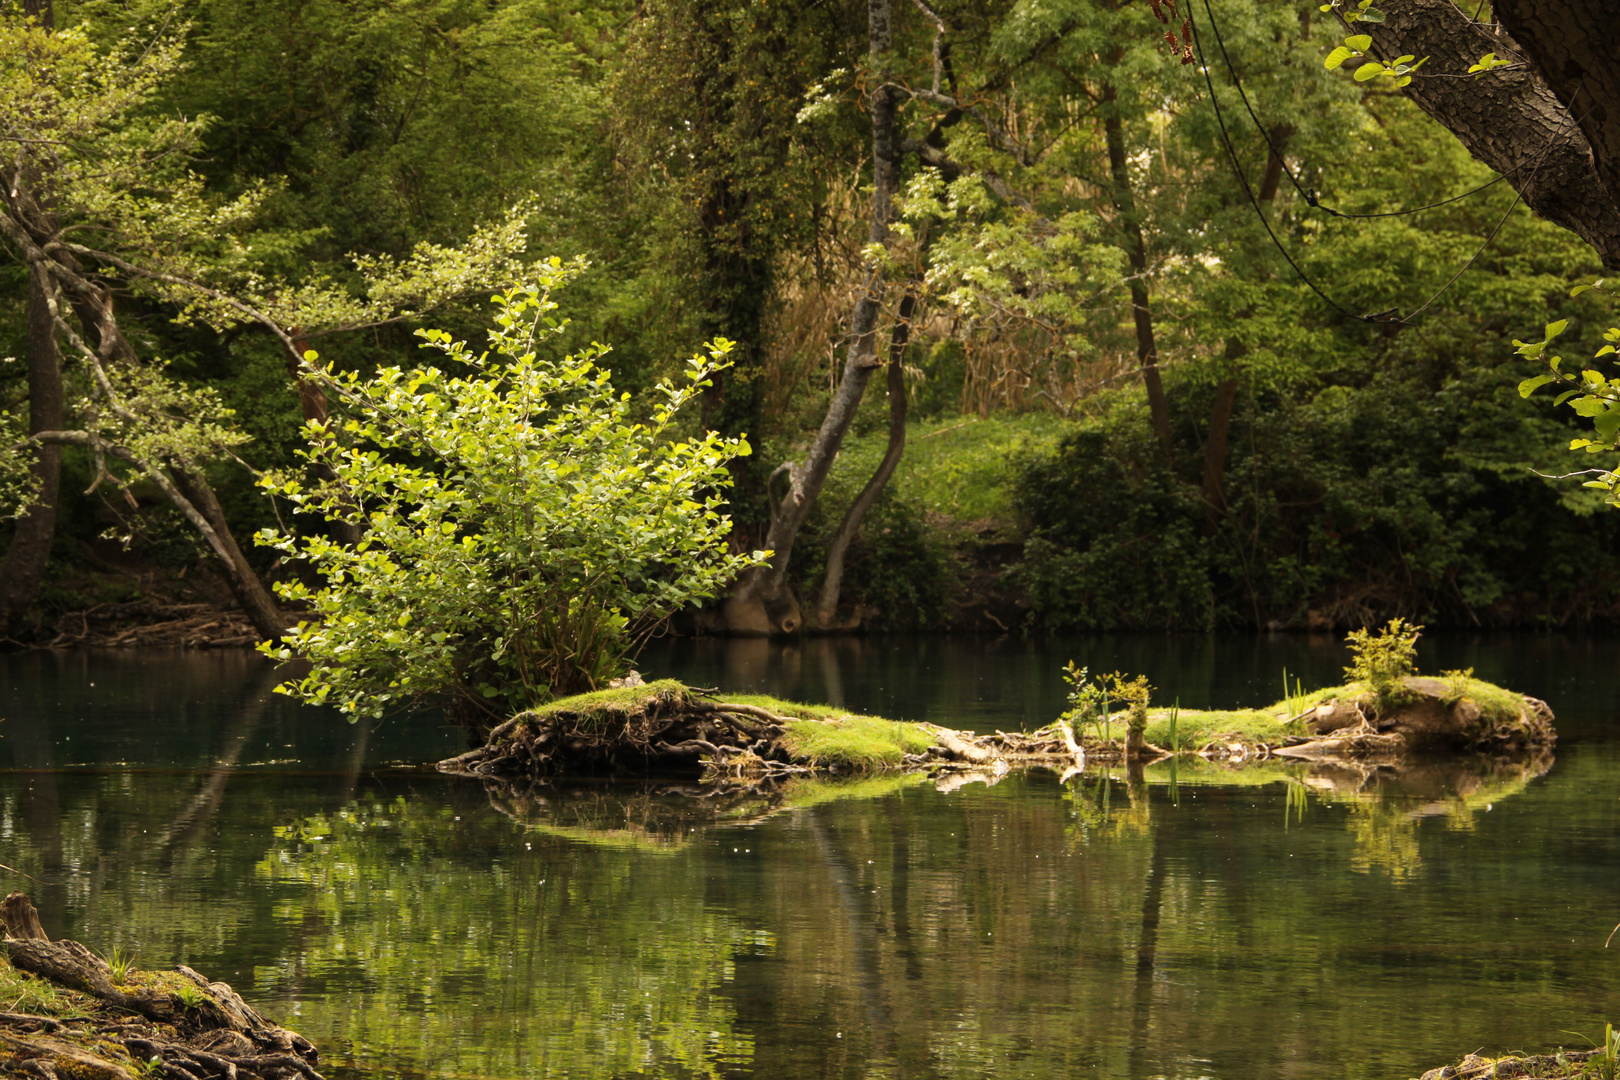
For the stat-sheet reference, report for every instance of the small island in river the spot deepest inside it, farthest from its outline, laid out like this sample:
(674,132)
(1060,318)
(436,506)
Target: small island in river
(666,726)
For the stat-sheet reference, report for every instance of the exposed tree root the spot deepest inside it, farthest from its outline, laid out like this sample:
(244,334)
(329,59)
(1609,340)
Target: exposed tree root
(1567,1066)
(177,1025)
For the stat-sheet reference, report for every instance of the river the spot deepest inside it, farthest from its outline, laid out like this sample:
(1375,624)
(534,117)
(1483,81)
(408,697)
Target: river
(1203,923)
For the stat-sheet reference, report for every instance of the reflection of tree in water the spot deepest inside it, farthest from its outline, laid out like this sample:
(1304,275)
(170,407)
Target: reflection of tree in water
(1385,839)
(1386,803)
(457,942)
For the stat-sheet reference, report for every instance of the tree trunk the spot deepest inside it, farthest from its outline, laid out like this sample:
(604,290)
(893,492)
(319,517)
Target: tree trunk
(30,550)
(763,602)
(1535,122)
(42,11)
(827,606)
(1147,353)
(1220,419)
(1220,424)
(1575,44)
(256,601)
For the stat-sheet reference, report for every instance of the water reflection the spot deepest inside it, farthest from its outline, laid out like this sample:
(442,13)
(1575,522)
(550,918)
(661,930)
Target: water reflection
(1184,920)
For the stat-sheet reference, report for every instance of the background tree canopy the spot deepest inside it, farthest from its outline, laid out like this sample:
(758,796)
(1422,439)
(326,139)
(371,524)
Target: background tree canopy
(1130,373)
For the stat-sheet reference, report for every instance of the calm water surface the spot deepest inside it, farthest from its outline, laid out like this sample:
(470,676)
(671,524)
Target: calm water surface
(1199,923)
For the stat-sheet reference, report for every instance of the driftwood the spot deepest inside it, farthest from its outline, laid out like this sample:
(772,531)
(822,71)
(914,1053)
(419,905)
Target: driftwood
(194,1029)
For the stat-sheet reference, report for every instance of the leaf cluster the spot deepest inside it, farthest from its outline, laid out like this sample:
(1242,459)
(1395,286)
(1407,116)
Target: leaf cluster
(524,531)
(1382,661)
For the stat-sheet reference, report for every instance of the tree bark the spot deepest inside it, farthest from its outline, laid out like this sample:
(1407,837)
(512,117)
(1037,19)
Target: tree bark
(30,550)
(1575,44)
(1513,119)
(1147,353)
(256,601)
(763,602)
(832,582)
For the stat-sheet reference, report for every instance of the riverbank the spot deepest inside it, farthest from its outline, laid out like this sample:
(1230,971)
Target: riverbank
(73,1013)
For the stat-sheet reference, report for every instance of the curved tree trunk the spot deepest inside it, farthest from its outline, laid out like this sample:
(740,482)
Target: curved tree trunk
(30,550)
(1575,45)
(255,600)
(763,602)
(1552,123)
(827,604)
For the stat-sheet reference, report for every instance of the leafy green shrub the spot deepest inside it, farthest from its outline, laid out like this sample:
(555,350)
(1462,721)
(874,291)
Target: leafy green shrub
(1134,693)
(1091,700)
(1382,661)
(523,531)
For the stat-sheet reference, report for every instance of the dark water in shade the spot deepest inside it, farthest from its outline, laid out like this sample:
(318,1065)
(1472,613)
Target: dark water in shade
(1202,924)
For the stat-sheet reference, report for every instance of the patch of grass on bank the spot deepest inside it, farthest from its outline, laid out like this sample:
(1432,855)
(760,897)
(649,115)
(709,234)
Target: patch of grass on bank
(959,466)
(26,994)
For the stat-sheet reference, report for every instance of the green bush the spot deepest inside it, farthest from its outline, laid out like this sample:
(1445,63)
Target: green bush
(1382,661)
(523,531)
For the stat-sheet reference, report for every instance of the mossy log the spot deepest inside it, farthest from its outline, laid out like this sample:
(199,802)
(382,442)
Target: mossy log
(665,727)
(132,1022)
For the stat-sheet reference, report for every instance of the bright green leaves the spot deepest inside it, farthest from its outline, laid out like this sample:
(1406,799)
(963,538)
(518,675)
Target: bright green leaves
(1362,12)
(1591,394)
(525,524)
(1354,47)
(1488,63)
(1534,383)
(1400,69)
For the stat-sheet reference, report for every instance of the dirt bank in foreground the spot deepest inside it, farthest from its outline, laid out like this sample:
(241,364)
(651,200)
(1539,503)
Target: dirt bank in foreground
(73,1014)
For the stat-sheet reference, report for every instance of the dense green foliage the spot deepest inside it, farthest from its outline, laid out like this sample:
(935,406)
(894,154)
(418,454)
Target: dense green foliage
(710,162)
(523,532)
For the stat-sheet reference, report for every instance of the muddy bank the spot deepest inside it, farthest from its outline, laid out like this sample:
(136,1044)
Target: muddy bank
(73,1014)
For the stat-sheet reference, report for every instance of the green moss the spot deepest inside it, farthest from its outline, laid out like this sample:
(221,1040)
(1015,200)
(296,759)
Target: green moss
(854,742)
(1197,727)
(621,699)
(1495,703)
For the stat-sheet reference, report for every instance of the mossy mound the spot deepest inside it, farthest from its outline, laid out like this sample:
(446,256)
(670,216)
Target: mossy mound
(1455,714)
(666,726)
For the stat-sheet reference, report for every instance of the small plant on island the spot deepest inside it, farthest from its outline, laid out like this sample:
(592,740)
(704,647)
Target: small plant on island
(1383,661)
(525,526)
